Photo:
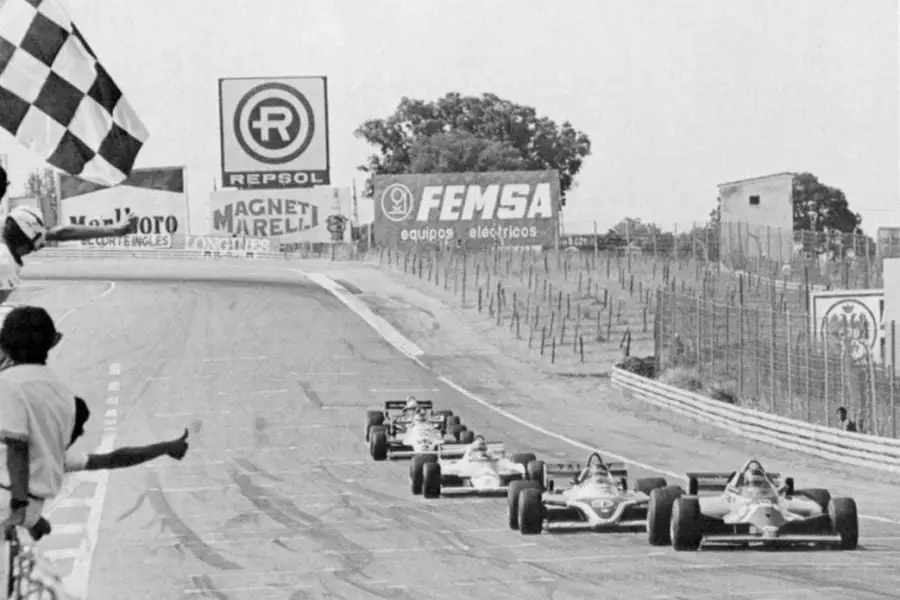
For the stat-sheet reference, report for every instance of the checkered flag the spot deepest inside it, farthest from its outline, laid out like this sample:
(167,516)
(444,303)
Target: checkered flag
(58,100)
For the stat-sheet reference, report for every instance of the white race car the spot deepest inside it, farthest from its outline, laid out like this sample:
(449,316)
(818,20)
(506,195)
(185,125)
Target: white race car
(421,436)
(483,468)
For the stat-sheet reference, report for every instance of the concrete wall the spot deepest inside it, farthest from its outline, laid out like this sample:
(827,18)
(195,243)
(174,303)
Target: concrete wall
(763,230)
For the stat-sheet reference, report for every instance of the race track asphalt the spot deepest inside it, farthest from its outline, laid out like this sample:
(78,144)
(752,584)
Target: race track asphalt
(277,498)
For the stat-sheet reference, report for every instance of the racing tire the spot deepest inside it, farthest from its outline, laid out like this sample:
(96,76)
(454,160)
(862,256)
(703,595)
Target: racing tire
(531,511)
(648,484)
(452,420)
(373,419)
(416,471)
(378,443)
(455,431)
(512,500)
(844,522)
(523,458)
(536,470)
(789,486)
(819,496)
(686,529)
(467,437)
(659,514)
(431,480)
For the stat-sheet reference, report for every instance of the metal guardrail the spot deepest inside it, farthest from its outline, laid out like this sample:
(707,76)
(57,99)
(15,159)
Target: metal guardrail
(848,447)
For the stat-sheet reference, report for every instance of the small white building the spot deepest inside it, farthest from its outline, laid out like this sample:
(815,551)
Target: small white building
(758,218)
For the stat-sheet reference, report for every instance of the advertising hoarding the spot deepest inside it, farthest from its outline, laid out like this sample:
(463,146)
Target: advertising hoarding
(156,195)
(274,132)
(852,317)
(212,246)
(467,209)
(294,216)
(888,242)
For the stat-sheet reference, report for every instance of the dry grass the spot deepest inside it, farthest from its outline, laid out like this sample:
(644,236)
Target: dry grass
(743,337)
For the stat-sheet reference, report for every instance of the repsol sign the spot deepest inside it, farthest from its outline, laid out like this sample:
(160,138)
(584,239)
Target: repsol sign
(148,225)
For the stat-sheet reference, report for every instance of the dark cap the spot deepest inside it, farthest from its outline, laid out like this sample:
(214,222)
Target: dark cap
(28,333)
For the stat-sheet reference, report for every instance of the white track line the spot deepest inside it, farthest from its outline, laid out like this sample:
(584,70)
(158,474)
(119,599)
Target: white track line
(395,338)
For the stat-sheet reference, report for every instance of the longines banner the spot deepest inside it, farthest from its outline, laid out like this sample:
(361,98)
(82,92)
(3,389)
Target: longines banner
(467,209)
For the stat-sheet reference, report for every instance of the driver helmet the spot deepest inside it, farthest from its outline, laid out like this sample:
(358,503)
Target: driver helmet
(30,222)
(755,479)
(598,472)
(479,449)
(411,403)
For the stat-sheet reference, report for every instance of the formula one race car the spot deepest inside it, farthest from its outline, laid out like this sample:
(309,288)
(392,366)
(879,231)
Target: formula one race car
(750,507)
(483,469)
(398,415)
(597,499)
(422,435)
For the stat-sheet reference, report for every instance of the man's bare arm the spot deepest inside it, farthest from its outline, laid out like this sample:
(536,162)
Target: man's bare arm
(136,455)
(17,462)
(70,233)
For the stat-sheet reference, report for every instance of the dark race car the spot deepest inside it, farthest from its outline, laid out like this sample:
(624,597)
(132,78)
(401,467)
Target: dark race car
(597,499)
(749,507)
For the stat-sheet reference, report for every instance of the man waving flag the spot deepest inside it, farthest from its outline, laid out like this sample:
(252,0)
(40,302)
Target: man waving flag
(58,100)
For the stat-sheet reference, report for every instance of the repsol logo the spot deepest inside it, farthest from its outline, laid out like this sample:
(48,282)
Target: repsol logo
(153,225)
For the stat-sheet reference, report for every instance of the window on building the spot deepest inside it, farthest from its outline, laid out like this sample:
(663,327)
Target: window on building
(754,200)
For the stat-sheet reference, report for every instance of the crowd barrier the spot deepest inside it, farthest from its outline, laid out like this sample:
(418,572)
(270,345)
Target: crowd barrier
(848,447)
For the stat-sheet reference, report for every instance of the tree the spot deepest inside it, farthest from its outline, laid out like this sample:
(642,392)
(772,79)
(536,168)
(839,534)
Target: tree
(41,185)
(479,133)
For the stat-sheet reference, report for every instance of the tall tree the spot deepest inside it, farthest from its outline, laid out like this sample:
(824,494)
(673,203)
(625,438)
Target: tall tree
(41,185)
(480,133)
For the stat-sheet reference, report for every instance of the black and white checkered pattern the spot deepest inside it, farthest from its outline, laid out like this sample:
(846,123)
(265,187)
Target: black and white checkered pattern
(58,100)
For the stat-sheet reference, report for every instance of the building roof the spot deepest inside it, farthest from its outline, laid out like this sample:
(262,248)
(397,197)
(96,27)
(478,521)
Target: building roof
(789,173)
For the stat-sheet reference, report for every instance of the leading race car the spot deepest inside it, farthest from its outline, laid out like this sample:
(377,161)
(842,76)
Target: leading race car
(484,469)
(422,435)
(750,507)
(398,415)
(597,499)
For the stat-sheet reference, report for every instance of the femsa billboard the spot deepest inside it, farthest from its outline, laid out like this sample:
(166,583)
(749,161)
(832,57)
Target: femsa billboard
(471,209)
(292,215)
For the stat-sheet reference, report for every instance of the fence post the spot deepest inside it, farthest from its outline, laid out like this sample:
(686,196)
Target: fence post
(790,359)
(826,338)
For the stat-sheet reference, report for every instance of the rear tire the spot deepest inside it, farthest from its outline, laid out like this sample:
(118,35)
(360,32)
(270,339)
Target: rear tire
(512,501)
(431,480)
(686,529)
(378,443)
(659,514)
(373,418)
(819,496)
(648,484)
(845,522)
(531,511)
(451,421)
(536,470)
(467,437)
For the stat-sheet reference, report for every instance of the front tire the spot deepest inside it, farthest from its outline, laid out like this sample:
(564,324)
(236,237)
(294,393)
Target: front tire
(686,528)
(845,522)
(531,511)
(659,514)
(431,480)
(378,443)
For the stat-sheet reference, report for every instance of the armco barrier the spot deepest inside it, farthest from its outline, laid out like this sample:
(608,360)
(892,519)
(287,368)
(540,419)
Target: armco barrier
(849,447)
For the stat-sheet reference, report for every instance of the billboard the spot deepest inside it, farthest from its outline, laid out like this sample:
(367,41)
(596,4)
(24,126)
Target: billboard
(157,196)
(888,242)
(852,317)
(211,246)
(468,209)
(294,216)
(274,132)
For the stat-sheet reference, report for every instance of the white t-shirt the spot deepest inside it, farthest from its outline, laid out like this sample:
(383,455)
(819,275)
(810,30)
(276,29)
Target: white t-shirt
(10,270)
(37,407)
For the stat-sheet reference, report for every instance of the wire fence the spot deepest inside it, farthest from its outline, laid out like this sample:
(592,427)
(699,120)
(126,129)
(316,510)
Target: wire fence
(742,335)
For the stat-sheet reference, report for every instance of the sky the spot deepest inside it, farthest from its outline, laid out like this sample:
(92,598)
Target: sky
(676,95)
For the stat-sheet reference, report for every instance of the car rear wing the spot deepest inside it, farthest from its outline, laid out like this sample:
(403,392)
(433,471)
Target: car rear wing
(710,481)
(451,450)
(401,404)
